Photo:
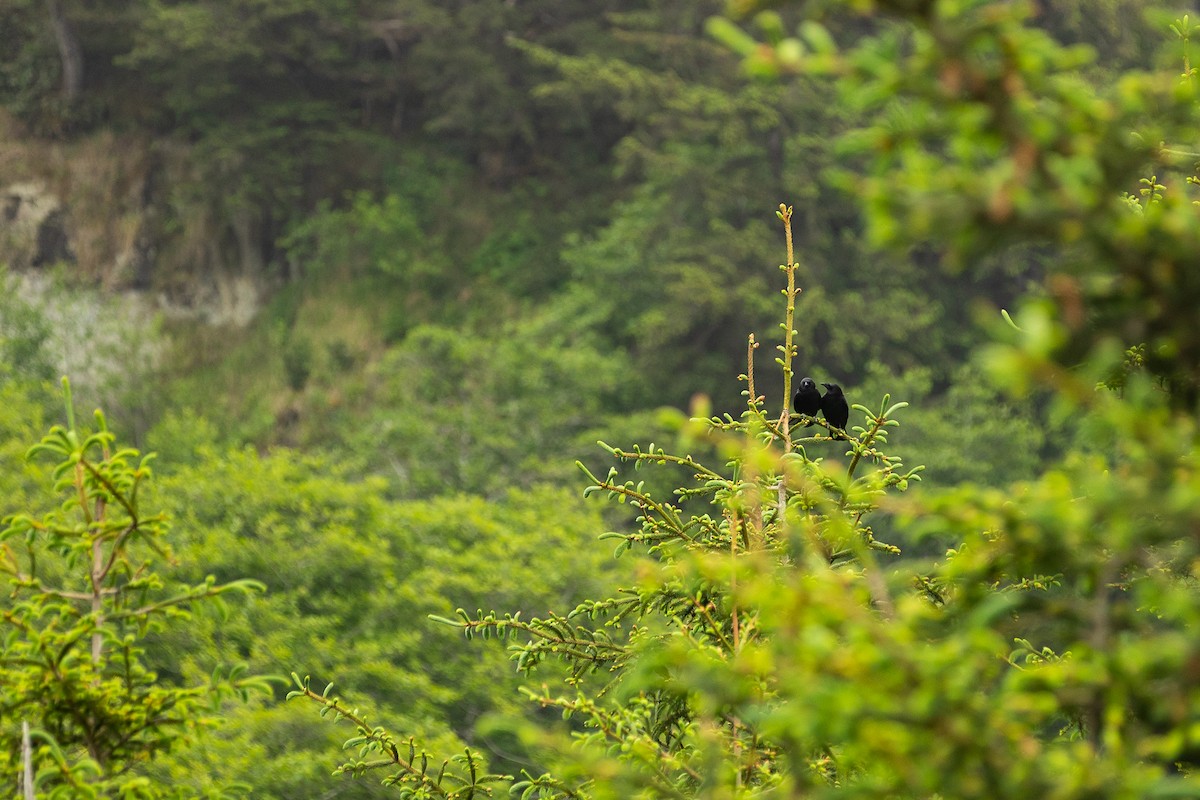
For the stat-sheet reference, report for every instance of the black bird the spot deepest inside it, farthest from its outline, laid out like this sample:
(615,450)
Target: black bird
(834,406)
(807,399)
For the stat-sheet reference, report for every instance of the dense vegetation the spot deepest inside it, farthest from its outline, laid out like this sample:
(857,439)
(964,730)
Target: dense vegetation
(497,232)
(537,177)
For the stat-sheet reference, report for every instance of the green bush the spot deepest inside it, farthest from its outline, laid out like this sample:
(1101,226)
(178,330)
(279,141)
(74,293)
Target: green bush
(83,709)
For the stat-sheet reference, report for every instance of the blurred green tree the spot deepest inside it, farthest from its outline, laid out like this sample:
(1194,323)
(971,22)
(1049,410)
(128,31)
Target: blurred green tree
(1051,650)
(351,576)
(771,507)
(82,710)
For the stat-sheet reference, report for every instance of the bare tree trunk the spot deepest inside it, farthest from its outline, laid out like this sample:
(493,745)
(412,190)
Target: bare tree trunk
(27,760)
(97,600)
(69,51)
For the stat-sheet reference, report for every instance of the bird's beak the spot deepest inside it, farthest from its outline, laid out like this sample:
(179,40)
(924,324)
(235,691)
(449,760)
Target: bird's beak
(827,385)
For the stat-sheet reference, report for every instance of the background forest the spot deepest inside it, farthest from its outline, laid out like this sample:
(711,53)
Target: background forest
(369,276)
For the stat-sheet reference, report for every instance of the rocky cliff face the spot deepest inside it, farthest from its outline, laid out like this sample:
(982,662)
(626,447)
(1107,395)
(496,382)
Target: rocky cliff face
(121,214)
(34,228)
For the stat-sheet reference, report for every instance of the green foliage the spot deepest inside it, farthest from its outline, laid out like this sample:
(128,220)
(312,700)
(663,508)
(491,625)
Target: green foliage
(514,228)
(450,411)
(769,649)
(24,336)
(29,76)
(349,573)
(384,238)
(23,411)
(268,751)
(984,132)
(1090,562)
(297,362)
(492,165)
(770,506)
(85,594)
(972,432)
(261,88)
(674,275)
(688,225)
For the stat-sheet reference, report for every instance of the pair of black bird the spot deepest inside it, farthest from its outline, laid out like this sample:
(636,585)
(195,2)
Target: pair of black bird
(832,404)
